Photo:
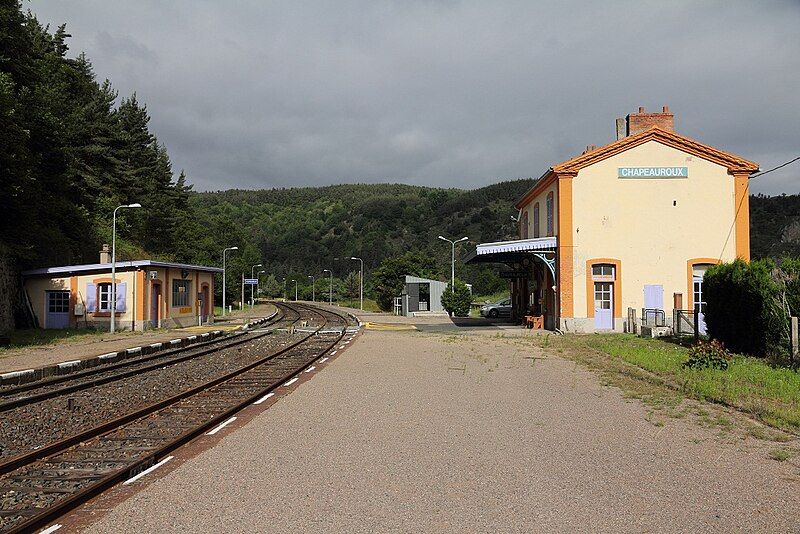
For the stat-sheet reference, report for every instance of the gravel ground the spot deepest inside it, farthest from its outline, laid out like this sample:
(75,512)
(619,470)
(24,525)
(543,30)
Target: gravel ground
(34,425)
(408,431)
(88,347)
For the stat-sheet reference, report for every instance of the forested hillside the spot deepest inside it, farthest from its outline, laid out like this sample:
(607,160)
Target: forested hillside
(298,232)
(775,226)
(70,152)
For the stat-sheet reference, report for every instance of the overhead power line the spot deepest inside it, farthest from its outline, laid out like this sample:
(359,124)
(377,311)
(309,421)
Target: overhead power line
(739,207)
(775,168)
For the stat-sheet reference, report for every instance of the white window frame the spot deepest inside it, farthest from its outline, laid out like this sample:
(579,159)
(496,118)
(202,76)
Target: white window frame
(104,297)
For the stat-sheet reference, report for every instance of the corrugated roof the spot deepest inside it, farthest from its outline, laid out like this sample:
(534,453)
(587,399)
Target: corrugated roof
(88,267)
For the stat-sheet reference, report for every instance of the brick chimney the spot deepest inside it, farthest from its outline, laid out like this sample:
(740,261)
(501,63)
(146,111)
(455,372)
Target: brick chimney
(642,121)
(105,254)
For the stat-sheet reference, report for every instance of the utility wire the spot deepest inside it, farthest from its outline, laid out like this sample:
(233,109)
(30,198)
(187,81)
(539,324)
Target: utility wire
(739,207)
(775,168)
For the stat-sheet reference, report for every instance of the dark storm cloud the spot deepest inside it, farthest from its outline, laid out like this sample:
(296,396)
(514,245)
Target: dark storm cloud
(263,94)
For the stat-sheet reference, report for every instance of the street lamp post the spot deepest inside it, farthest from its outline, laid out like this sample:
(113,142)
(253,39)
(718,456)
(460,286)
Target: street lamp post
(453,261)
(330,291)
(295,290)
(251,285)
(113,296)
(361,280)
(258,285)
(223,276)
(285,297)
(313,289)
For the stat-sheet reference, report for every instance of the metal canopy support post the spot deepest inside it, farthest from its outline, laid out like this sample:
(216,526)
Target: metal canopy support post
(551,264)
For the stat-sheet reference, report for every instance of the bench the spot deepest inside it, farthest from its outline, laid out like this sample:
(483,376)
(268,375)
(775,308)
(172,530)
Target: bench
(534,321)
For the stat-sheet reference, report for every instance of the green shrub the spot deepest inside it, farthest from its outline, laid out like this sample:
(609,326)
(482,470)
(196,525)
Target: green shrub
(458,302)
(708,354)
(743,308)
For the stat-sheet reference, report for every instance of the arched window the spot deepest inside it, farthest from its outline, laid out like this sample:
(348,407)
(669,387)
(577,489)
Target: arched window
(536,220)
(524,226)
(549,206)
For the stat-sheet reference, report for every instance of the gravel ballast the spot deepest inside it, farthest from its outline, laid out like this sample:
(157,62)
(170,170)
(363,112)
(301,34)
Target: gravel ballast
(420,432)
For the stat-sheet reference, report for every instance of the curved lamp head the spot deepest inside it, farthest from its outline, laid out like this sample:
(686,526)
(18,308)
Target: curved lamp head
(134,205)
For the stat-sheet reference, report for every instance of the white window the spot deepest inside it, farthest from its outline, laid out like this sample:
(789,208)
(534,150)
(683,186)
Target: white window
(603,270)
(698,271)
(104,297)
(602,295)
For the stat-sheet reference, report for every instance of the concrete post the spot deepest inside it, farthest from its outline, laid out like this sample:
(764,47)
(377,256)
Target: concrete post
(795,346)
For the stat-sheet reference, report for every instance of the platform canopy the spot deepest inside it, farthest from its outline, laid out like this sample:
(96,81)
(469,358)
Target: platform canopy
(510,251)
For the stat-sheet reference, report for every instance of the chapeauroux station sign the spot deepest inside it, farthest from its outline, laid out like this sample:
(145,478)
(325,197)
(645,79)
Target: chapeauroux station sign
(653,172)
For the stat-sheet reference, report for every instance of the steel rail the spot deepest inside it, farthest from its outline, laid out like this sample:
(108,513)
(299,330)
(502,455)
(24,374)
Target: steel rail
(18,461)
(79,386)
(60,507)
(46,382)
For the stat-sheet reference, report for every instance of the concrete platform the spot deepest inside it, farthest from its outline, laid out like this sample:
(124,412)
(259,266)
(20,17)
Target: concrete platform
(411,431)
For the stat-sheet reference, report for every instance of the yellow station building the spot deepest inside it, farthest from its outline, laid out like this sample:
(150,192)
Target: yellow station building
(149,294)
(633,224)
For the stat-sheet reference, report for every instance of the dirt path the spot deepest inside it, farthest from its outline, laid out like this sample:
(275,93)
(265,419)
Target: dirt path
(409,431)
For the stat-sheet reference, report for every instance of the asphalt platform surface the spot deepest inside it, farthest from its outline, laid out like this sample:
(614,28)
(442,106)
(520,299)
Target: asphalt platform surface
(409,431)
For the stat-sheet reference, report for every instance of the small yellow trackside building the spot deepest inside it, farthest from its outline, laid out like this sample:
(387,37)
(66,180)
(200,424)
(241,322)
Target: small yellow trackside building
(149,294)
(633,224)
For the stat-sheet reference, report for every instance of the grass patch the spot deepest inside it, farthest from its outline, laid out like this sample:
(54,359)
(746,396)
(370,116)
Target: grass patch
(781,455)
(770,394)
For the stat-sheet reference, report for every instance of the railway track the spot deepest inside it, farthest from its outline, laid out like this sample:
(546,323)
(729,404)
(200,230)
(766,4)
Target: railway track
(42,484)
(14,397)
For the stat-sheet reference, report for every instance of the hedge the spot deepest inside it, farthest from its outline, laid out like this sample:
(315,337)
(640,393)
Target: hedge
(746,304)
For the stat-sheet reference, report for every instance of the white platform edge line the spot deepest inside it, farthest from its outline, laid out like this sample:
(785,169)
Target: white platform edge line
(323,360)
(311,368)
(264,398)
(221,426)
(51,529)
(292,381)
(14,374)
(148,470)
(69,364)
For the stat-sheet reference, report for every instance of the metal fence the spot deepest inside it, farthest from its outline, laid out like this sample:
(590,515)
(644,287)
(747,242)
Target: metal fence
(683,322)
(653,317)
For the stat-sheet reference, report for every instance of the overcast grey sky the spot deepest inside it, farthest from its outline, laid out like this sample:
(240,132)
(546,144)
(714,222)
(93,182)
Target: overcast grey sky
(257,94)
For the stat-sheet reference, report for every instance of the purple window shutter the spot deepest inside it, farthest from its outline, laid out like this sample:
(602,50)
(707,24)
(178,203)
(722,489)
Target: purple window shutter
(91,298)
(121,287)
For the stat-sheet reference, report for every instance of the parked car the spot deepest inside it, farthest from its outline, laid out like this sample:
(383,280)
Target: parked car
(498,309)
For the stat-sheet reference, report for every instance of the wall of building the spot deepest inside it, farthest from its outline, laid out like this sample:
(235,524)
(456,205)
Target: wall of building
(172,313)
(78,286)
(541,198)
(651,226)
(138,298)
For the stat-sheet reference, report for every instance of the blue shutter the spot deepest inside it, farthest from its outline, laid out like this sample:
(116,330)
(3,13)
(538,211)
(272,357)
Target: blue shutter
(91,298)
(121,293)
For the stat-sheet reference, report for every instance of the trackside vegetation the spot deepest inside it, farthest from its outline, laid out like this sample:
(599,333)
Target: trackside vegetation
(769,394)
